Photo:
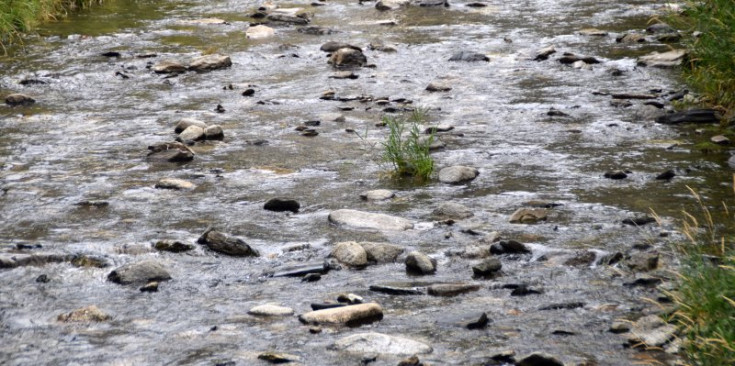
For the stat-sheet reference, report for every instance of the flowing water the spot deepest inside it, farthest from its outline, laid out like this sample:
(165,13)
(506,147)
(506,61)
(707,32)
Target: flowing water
(86,138)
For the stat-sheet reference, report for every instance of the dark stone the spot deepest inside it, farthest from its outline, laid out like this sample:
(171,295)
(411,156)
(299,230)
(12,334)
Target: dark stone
(611,258)
(43,279)
(111,54)
(281,205)
(508,247)
(326,306)
(26,82)
(411,361)
(89,261)
(568,59)
(311,277)
(451,289)
(432,3)
(639,221)
(644,281)
(563,306)
(581,259)
(150,287)
(224,244)
(524,290)
(616,175)
(487,267)
(315,31)
(660,28)
(173,152)
(332,46)
(220,109)
(397,289)
(302,270)
(19,99)
(173,246)
(539,359)
(469,56)
(563,332)
(667,175)
(248,92)
(690,116)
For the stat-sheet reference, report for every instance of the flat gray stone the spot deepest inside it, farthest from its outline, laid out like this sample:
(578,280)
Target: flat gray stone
(368,220)
(381,344)
(139,273)
(457,174)
(377,195)
(344,314)
(271,310)
(210,62)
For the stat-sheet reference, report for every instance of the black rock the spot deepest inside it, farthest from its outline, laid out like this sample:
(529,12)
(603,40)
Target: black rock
(431,3)
(224,244)
(469,56)
(111,54)
(563,306)
(281,205)
(644,281)
(690,116)
(248,93)
(43,279)
(524,290)
(508,247)
(332,46)
(173,246)
(326,306)
(667,175)
(219,108)
(301,270)
(616,175)
(539,359)
(639,221)
(311,277)
(397,289)
(26,82)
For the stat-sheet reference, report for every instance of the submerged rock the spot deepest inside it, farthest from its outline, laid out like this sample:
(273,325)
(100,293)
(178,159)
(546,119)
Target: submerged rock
(528,215)
(509,247)
(451,210)
(664,59)
(350,253)
(210,62)
(139,273)
(84,315)
(487,267)
(457,174)
(224,244)
(381,344)
(18,99)
(377,195)
(172,246)
(259,32)
(544,53)
(419,263)
(469,56)
(451,289)
(690,116)
(174,183)
(539,359)
(347,57)
(173,152)
(468,321)
(279,358)
(169,67)
(347,315)
(368,220)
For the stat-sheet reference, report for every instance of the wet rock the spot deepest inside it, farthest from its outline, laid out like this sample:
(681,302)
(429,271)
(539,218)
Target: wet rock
(278,358)
(640,96)
(642,261)
(563,306)
(631,38)
(639,221)
(568,59)
(451,289)
(620,326)
(651,331)
(281,205)
(528,215)
(43,279)
(87,314)
(377,195)
(610,259)
(139,273)
(690,116)
(469,56)
(436,129)
(593,32)
(260,32)
(668,37)
(367,220)
(173,152)
(210,62)
(169,67)
(386,5)
(333,46)
(539,359)
(452,210)
(664,59)
(509,247)
(295,19)
(214,132)
(468,321)
(644,281)
(381,344)
(660,28)
(438,86)
(90,261)
(172,246)
(524,290)
(585,258)
(544,53)
(487,267)
(347,57)
(12,260)
(419,263)
(316,31)
(221,243)
(174,183)
(150,287)
(348,315)
(399,288)
(344,75)
(271,310)
(382,47)
(411,361)
(667,175)
(615,175)
(301,270)
(350,253)
(185,123)
(457,174)
(381,252)
(18,99)
(432,3)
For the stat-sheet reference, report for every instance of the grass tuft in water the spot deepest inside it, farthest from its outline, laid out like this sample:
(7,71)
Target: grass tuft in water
(711,68)
(706,292)
(404,148)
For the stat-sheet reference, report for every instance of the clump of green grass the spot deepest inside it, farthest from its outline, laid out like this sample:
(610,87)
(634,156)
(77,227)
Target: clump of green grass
(404,148)
(706,292)
(711,68)
(21,16)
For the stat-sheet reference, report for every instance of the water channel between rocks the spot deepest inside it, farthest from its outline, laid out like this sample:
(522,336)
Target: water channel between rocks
(86,137)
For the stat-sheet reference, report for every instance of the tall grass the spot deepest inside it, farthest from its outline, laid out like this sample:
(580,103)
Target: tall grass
(20,16)
(404,148)
(706,292)
(711,68)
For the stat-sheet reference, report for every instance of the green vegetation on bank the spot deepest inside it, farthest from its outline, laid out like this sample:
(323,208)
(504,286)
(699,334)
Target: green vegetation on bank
(19,16)
(706,292)
(711,70)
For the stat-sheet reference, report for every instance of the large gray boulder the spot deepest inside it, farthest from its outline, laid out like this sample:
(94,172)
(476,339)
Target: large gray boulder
(139,273)
(457,174)
(350,253)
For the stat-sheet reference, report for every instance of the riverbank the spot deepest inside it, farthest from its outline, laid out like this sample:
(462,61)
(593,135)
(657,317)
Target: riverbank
(20,16)
(711,70)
